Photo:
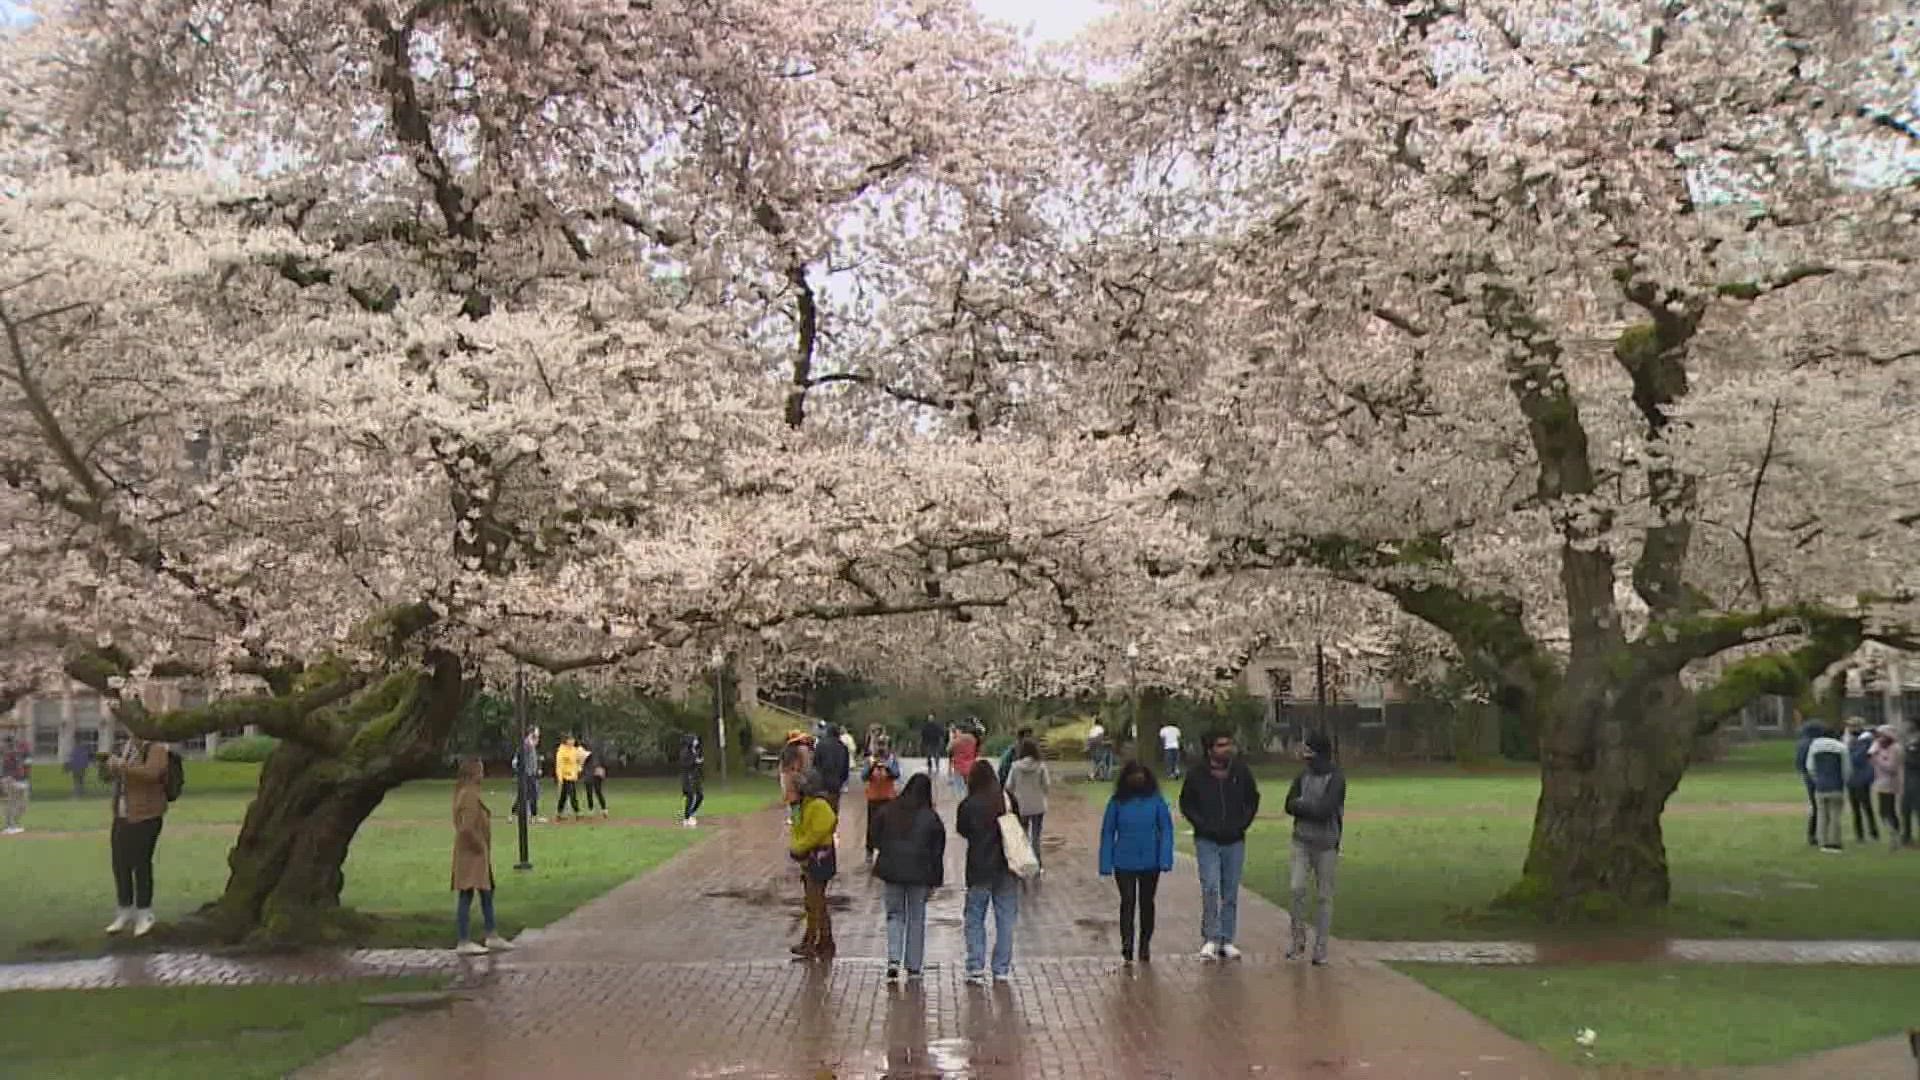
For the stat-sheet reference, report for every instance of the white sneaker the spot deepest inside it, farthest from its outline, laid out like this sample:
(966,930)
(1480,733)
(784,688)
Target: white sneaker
(121,920)
(13,830)
(143,922)
(470,948)
(1209,951)
(977,978)
(496,943)
(1229,952)
(693,823)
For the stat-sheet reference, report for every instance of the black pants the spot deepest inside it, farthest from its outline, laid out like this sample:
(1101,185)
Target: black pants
(569,792)
(694,795)
(596,789)
(1889,806)
(132,843)
(1137,889)
(1909,807)
(873,824)
(1861,801)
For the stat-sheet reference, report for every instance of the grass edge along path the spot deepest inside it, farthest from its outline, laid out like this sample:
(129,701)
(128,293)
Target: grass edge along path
(1682,1016)
(187,1032)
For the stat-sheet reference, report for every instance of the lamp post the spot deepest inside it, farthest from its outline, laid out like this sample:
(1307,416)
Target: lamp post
(1133,692)
(720,709)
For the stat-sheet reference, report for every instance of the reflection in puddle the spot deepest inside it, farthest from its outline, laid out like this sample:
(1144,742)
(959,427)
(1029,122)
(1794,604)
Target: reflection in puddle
(950,1057)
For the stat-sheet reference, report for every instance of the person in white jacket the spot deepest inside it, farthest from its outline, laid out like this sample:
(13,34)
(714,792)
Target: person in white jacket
(1828,765)
(1027,784)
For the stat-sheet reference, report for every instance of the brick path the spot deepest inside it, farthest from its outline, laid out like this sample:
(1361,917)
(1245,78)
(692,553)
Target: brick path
(683,972)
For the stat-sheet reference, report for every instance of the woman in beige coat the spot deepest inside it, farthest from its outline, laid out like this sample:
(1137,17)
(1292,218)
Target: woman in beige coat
(473,860)
(139,775)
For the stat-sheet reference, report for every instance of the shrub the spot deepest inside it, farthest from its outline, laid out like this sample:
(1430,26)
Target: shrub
(253,748)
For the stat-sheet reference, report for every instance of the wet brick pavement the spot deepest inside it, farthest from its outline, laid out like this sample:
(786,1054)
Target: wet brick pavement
(683,973)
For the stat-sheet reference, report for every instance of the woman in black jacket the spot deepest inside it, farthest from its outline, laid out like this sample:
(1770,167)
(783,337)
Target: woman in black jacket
(912,843)
(989,882)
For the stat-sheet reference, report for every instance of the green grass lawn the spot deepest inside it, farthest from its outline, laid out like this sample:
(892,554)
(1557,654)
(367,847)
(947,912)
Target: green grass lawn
(1691,1016)
(1425,852)
(184,1033)
(398,869)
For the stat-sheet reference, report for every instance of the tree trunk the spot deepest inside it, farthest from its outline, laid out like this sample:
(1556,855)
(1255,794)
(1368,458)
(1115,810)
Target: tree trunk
(286,870)
(1608,764)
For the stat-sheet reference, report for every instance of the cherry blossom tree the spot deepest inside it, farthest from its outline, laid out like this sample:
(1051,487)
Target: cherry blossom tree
(1581,332)
(371,350)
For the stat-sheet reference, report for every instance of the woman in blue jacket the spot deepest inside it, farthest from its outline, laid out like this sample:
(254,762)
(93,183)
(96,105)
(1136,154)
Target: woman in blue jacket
(1136,847)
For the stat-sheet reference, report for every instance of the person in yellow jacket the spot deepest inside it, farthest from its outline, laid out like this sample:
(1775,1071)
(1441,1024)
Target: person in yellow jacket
(566,769)
(812,847)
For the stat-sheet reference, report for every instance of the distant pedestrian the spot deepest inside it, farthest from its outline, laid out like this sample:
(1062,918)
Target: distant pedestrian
(473,862)
(566,769)
(1027,784)
(139,775)
(1827,765)
(1219,800)
(834,762)
(16,769)
(911,862)
(881,775)
(593,777)
(964,750)
(693,780)
(796,757)
(1012,752)
(1860,781)
(811,845)
(526,771)
(1170,748)
(1888,773)
(1099,754)
(79,759)
(989,882)
(1136,847)
(933,743)
(1809,731)
(1909,781)
(1317,802)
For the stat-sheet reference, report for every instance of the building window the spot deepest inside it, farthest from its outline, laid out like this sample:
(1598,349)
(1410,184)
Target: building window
(87,738)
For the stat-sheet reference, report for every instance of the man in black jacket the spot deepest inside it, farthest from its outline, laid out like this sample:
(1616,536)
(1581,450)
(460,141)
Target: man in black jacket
(1220,800)
(831,761)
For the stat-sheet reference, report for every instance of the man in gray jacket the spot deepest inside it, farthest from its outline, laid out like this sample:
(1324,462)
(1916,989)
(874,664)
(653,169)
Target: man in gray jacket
(1317,802)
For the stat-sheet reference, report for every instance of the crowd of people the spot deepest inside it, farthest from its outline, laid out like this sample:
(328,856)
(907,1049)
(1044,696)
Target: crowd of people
(1000,816)
(1873,772)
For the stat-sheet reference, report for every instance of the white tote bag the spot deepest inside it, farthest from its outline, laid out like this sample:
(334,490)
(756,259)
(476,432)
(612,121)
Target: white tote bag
(1020,857)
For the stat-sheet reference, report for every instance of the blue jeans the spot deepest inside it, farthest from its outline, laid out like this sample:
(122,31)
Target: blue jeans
(906,926)
(1173,761)
(462,911)
(1005,899)
(1220,868)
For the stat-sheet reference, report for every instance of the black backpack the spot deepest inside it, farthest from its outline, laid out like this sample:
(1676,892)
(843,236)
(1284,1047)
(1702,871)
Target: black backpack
(176,778)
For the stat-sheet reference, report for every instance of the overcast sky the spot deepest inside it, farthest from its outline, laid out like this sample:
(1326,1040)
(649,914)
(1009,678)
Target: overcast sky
(1051,20)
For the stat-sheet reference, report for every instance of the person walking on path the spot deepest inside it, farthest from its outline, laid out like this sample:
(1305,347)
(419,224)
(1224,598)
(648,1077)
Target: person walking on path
(593,777)
(16,771)
(912,863)
(139,776)
(881,775)
(693,780)
(965,750)
(1827,765)
(1170,748)
(78,760)
(1860,782)
(1012,752)
(1027,783)
(1887,769)
(834,763)
(1099,752)
(1809,731)
(989,882)
(1317,802)
(811,845)
(473,862)
(1219,800)
(1136,847)
(933,743)
(566,769)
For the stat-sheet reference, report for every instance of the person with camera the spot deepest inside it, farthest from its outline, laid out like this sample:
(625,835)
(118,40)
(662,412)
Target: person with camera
(138,774)
(881,774)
